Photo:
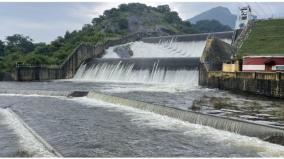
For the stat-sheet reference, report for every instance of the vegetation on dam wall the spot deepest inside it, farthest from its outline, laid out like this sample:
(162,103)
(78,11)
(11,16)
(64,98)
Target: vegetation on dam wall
(266,38)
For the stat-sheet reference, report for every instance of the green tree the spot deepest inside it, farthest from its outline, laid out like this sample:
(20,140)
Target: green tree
(41,48)
(2,46)
(67,35)
(172,17)
(19,43)
(123,24)
(163,8)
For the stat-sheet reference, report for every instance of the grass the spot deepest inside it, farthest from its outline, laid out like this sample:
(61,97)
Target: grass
(266,38)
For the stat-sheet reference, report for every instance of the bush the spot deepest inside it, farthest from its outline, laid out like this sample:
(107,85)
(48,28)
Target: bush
(123,24)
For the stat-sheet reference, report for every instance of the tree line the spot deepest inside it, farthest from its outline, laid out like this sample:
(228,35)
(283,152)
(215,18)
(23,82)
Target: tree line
(113,23)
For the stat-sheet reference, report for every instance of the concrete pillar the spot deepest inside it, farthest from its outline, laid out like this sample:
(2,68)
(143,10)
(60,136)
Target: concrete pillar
(278,76)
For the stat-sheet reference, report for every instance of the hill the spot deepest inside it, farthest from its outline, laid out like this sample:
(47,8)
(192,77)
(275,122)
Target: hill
(114,23)
(209,26)
(136,17)
(265,38)
(221,14)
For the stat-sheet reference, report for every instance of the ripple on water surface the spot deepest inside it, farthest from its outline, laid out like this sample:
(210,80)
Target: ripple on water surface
(86,127)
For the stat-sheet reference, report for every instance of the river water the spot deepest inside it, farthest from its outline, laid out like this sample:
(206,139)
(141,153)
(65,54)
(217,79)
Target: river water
(88,127)
(39,118)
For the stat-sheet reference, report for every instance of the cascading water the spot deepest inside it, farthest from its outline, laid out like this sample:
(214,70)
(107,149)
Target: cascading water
(168,48)
(123,72)
(127,72)
(162,49)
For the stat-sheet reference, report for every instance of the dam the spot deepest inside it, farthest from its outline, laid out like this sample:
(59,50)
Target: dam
(150,70)
(138,99)
(164,59)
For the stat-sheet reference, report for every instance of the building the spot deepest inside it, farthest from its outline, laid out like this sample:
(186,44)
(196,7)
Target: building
(231,66)
(244,17)
(263,63)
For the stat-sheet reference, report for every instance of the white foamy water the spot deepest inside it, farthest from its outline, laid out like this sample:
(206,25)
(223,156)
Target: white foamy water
(171,88)
(26,140)
(104,72)
(163,49)
(211,135)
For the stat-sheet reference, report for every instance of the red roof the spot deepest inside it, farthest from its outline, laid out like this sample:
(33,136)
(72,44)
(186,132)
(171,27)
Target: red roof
(261,60)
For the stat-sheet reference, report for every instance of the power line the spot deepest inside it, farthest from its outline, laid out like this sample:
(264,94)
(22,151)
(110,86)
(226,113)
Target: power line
(269,7)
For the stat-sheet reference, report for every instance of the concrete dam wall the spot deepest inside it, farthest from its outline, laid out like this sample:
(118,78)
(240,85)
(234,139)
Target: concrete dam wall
(70,65)
(190,37)
(170,62)
(149,63)
(141,70)
(86,51)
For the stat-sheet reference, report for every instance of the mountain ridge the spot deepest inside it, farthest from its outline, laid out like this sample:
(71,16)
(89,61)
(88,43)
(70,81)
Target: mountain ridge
(220,13)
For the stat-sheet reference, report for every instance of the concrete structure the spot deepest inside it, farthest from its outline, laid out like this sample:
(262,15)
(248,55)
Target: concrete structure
(69,67)
(263,63)
(244,17)
(188,63)
(86,51)
(190,37)
(231,66)
(235,82)
(210,75)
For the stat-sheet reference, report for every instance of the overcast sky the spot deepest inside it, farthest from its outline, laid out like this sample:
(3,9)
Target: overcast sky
(43,22)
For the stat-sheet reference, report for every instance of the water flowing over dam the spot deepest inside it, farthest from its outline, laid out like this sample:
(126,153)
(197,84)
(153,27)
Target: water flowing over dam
(163,48)
(168,61)
(140,99)
(141,70)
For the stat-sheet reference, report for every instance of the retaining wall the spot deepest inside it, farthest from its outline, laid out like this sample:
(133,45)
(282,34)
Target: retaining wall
(270,88)
(190,37)
(68,68)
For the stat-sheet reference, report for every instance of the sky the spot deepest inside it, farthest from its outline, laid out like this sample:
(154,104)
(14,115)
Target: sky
(45,21)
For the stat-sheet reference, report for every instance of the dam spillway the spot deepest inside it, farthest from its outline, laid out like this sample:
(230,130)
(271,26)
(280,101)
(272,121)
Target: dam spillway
(140,70)
(168,46)
(168,60)
(149,63)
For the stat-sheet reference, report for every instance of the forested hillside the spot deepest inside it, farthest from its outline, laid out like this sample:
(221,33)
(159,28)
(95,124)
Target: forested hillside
(114,23)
